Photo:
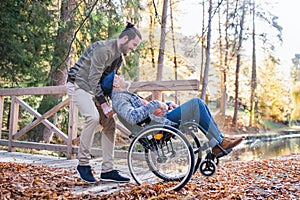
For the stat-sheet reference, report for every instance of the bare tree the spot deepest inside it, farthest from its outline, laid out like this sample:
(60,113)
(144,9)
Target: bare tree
(207,54)
(161,53)
(151,34)
(224,94)
(238,64)
(253,74)
(202,41)
(174,49)
(222,69)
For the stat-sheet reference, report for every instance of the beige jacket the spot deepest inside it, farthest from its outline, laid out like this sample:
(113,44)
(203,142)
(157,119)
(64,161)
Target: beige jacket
(97,61)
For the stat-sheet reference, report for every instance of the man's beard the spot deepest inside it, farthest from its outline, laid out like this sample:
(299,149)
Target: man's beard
(123,48)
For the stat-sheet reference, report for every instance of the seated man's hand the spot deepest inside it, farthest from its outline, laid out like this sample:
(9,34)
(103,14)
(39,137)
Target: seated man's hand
(163,106)
(107,110)
(172,106)
(161,110)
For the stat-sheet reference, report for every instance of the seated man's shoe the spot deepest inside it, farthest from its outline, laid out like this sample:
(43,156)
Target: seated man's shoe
(227,144)
(114,176)
(86,174)
(236,141)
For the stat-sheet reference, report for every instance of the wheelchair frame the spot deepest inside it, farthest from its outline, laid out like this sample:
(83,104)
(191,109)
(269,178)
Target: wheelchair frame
(159,154)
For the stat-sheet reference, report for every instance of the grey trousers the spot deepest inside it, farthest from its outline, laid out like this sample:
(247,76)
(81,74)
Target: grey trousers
(93,120)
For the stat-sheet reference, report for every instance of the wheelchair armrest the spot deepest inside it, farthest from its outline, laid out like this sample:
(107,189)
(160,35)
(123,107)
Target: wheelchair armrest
(144,122)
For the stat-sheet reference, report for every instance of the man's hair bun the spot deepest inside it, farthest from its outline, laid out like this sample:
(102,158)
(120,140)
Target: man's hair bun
(129,25)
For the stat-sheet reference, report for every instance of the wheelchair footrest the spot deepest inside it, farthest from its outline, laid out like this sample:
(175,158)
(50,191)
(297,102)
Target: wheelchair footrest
(223,153)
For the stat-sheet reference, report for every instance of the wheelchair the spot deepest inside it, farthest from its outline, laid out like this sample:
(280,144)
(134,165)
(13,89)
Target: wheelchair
(169,155)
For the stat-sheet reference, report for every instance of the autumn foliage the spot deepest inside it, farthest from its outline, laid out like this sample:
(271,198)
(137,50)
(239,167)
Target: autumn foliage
(277,178)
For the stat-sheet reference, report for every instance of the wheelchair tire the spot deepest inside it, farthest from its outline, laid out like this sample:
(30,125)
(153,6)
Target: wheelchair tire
(208,168)
(169,162)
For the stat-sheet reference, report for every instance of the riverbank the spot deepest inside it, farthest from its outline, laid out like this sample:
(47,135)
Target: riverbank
(29,176)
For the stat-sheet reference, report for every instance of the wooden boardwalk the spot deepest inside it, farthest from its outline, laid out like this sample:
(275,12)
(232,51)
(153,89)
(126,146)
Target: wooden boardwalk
(51,161)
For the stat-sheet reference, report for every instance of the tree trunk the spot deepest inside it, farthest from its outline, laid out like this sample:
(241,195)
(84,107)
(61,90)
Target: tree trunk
(226,55)
(253,75)
(162,47)
(174,50)
(222,70)
(207,54)
(202,42)
(61,61)
(238,63)
(151,34)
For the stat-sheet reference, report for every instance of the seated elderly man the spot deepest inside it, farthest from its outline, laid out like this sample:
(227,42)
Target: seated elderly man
(134,110)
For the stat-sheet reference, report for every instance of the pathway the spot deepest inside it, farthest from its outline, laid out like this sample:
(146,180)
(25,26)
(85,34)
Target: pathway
(51,161)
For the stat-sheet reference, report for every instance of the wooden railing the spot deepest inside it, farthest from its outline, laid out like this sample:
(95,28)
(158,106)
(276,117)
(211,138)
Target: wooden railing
(70,139)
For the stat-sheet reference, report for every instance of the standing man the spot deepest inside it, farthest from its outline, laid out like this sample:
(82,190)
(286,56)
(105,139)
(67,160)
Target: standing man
(99,60)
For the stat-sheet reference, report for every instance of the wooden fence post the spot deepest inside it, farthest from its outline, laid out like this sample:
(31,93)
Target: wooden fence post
(72,129)
(13,122)
(1,114)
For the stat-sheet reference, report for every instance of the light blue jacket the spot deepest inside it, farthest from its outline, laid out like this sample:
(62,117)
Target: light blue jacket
(131,110)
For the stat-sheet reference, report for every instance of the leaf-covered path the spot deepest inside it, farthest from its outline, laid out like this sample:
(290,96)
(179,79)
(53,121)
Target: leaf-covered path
(277,178)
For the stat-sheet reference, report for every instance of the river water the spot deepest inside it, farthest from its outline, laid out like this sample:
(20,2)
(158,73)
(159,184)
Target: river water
(263,147)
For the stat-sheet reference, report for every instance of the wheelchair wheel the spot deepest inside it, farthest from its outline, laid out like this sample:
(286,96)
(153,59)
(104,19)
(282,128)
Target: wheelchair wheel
(189,130)
(161,154)
(208,168)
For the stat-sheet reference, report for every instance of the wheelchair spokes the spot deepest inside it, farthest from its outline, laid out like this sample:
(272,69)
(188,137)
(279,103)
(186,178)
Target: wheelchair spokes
(160,154)
(167,157)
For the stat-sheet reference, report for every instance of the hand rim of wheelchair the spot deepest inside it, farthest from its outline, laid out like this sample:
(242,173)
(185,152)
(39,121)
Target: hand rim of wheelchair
(182,180)
(211,156)
(195,141)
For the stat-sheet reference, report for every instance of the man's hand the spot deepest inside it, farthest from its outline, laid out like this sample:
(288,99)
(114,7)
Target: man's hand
(172,106)
(161,110)
(163,106)
(107,110)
